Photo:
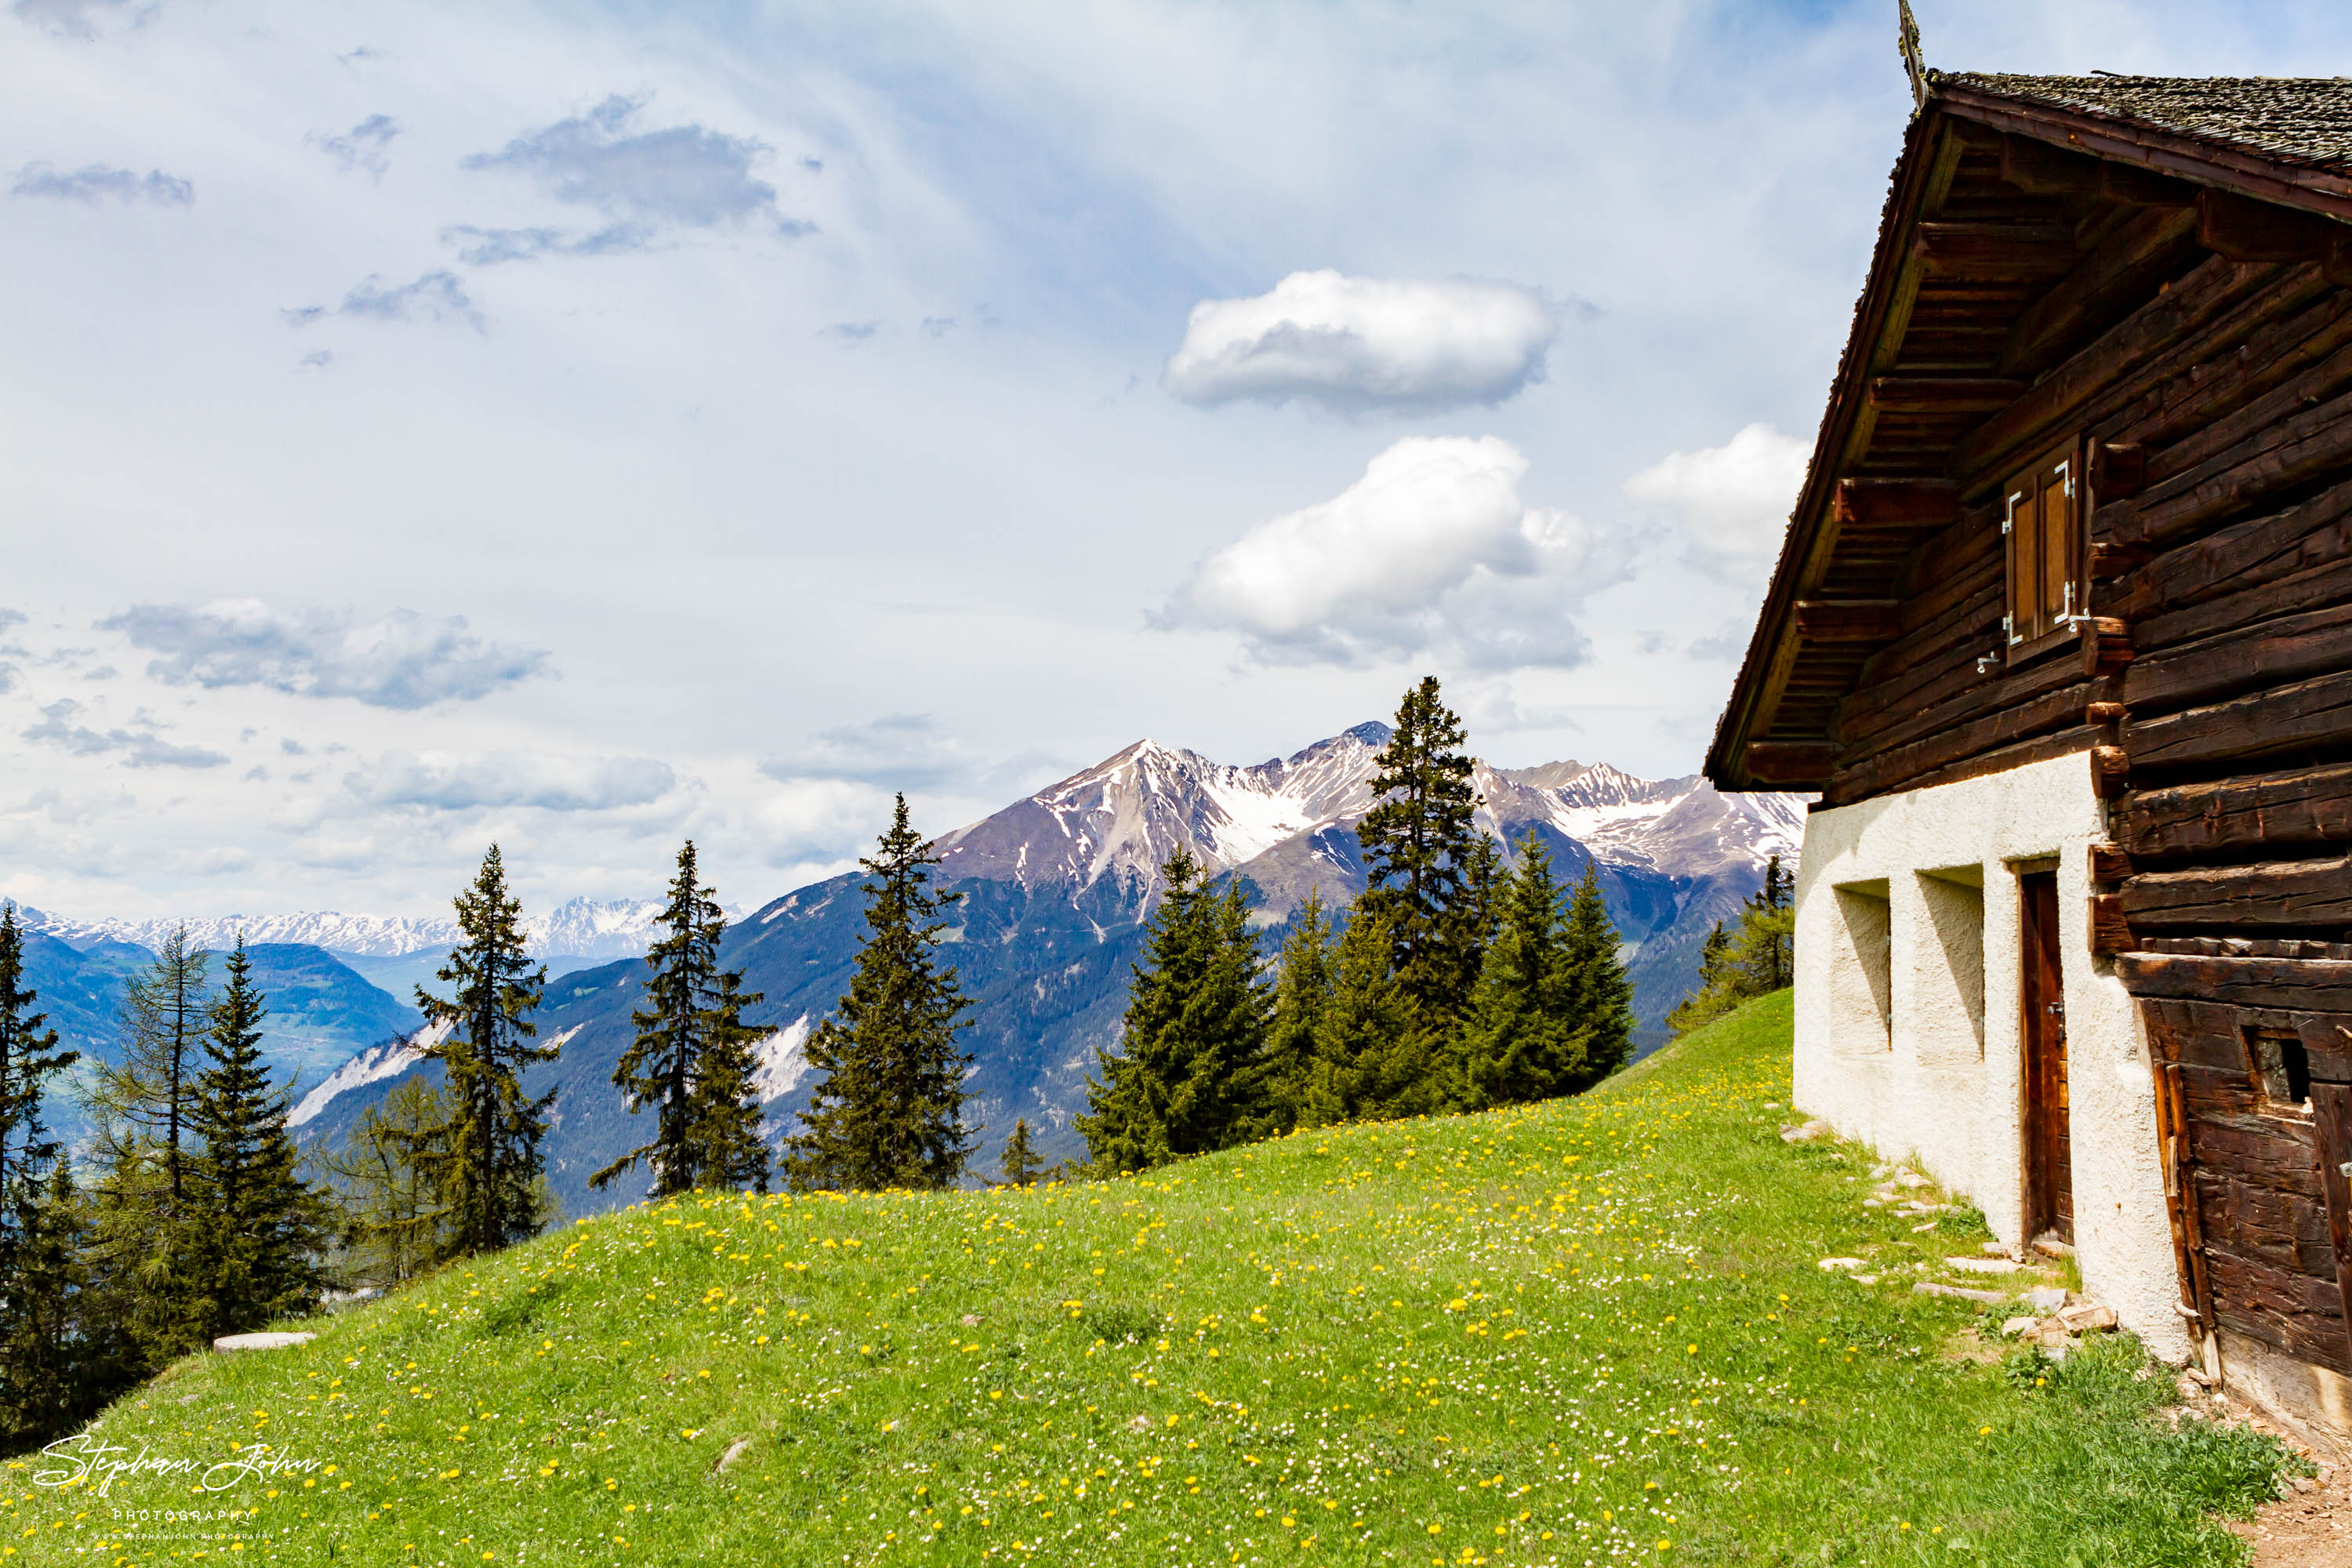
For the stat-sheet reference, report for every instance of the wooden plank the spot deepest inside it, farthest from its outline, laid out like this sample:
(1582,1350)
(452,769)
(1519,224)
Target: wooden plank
(2110,772)
(2245,230)
(1944,744)
(2315,712)
(1849,620)
(2291,647)
(1941,395)
(1845,789)
(2118,469)
(2289,983)
(2312,445)
(2106,647)
(2161,595)
(2122,271)
(2295,894)
(2331,1105)
(1907,504)
(2292,1313)
(2111,929)
(1796,763)
(2109,862)
(2298,806)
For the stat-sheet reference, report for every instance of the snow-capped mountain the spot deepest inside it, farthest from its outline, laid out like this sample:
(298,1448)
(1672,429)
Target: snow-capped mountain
(1287,825)
(581,928)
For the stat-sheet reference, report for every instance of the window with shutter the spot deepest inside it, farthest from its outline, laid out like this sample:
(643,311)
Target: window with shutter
(2043,520)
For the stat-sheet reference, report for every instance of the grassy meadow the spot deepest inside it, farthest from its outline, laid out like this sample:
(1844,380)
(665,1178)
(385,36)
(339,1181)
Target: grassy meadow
(1582,1333)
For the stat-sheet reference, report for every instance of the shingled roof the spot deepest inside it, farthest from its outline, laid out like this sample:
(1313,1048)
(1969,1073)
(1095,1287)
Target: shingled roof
(2305,120)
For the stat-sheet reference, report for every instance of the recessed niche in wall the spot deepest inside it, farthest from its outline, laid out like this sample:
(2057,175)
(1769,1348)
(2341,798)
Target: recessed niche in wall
(1862,980)
(2283,1068)
(1948,967)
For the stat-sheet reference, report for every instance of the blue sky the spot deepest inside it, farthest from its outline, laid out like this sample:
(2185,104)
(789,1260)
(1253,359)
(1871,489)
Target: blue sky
(584,427)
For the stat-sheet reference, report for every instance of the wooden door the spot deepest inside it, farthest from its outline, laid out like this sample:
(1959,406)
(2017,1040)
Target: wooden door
(2049,1149)
(2331,1109)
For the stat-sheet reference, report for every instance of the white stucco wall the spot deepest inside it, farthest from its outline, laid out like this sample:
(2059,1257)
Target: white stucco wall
(1909,1027)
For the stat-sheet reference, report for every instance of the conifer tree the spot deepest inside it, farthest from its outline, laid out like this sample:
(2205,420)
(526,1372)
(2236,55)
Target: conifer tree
(1190,1073)
(887,1109)
(1765,944)
(1370,1059)
(691,1059)
(1428,871)
(37,1284)
(1599,995)
(485,1159)
(151,1090)
(262,1226)
(1302,995)
(1521,1039)
(1719,980)
(395,1214)
(1020,1165)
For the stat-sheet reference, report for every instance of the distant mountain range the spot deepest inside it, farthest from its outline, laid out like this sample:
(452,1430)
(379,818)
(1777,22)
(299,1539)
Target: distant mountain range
(583,928)
(1055,890)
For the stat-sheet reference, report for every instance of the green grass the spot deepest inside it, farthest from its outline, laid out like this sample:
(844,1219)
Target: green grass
(1586,1331)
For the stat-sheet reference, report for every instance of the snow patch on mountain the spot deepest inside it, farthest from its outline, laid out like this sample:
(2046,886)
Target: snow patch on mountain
(372,1065)
(783,1060)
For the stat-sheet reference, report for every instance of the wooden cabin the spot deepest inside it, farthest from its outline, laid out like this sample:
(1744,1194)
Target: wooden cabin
(2062,634)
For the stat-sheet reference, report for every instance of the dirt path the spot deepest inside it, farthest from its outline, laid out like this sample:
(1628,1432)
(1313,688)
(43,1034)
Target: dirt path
(2311,1526)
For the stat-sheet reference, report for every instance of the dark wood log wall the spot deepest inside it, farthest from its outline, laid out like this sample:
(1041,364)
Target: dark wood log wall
(2213,702)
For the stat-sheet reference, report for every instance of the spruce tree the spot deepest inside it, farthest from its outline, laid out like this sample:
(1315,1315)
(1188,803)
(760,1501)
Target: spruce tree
(691,1059)
(1428,869)
(1020,1165)
(1301,997)
(393,1212)
(1369,1056)
(38,1377)
(1598,993)
(1718,985)
(1521,1040)
(262,1226)
(485,1159)
(1190,1074)
(888,1108)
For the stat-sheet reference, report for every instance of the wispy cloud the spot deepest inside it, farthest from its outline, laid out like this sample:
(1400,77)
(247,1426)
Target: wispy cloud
(364,149)
(850,332)
(898,751)
(69,18)
(440,780)
(1732,502)
(140,749)
(684,176)
(436,296)
(1356,344)
(404,661)
(488,247)
(96,182)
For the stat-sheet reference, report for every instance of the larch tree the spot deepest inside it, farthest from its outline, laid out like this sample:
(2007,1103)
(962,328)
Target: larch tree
(888,1107)
(263,1227)
(485,1159)
(41,1379)
(1190,1073)
(691,1059)
(161,1033)
(393,1212)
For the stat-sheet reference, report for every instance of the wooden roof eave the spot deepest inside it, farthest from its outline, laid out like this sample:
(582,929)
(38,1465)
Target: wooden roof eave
(2156,149)
(1812,536)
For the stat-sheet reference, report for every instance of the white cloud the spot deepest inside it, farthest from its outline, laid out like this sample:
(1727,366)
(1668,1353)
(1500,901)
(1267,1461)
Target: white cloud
(404,661)
(1360,343)
(1431,552)
(95,183)
(1731,501)
(442,780)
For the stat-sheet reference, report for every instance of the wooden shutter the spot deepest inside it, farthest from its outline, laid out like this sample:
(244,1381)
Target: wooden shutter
(2044,517)
(2331,1109)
